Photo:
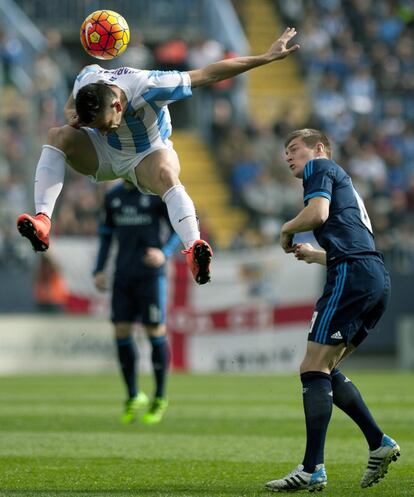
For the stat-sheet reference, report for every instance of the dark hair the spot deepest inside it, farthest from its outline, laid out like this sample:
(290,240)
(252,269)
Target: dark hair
(311,137)
(91,100)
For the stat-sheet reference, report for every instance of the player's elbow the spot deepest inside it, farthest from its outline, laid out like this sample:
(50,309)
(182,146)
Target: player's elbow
(319,217)
(201,77)
(319,211)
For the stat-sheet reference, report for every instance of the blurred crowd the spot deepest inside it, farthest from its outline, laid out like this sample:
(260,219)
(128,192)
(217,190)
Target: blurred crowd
(357,58)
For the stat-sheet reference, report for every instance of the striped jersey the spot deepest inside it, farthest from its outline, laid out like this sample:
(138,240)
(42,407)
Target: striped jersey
(347,232)
(146,119)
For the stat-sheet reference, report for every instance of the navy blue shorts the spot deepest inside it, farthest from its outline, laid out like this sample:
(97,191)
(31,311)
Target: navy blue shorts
(142,300)
(355,296)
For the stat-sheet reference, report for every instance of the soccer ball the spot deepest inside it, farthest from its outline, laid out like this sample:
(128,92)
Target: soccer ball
(104,34)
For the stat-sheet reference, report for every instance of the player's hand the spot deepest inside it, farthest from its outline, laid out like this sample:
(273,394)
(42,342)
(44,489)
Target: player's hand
(286,241)
(278,50)
(154,257)
(100,281)
(304,252)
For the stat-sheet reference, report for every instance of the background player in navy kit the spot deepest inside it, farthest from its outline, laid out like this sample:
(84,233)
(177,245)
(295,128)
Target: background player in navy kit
(139,287)
(354,299)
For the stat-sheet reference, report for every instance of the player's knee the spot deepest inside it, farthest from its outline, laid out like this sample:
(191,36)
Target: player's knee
(158,330)
(123,331)
(167,177)
(310,363)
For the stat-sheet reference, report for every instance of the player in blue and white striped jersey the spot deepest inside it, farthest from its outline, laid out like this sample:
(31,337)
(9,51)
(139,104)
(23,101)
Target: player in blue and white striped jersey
(119,127)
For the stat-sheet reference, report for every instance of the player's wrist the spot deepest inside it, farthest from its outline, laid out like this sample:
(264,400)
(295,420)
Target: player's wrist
(287,229)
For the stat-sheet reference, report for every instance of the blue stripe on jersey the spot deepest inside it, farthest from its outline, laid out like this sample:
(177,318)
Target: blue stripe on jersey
(138,130)
(156,73)
(87,70)
(113,140)
(332,305)
(308,170)
(167,93)
(162,123)
(317,194)
(162,289)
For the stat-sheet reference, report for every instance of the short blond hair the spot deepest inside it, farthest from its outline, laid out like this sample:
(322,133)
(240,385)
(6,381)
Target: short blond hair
(311,137)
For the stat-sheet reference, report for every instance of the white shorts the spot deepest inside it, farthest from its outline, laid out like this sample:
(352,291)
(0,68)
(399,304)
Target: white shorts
(114,164)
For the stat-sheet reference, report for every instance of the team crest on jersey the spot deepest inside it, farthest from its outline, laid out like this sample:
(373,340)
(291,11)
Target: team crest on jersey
(116,202)
(144,201)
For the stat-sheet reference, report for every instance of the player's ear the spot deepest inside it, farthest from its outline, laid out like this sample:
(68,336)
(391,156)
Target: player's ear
(320,148)
(117,105)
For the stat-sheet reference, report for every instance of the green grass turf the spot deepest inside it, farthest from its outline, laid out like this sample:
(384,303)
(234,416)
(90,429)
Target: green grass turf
(223,435)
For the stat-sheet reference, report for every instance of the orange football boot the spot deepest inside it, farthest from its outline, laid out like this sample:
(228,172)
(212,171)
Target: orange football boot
(36,229)
(198,258)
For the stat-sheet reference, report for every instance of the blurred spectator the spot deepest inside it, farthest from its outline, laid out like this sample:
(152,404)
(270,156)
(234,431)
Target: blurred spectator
(10,53)
(367,165)
(245,169)
(137,55)
(172,55)
(52,93)
(50,291)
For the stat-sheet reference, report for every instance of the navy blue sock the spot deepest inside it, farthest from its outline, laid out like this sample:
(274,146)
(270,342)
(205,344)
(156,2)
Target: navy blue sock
(347,397)
(128,357)
(160,359)
(317,403)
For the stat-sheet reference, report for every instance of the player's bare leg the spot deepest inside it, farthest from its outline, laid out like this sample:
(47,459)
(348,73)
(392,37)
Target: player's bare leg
(65,144)
(159,172)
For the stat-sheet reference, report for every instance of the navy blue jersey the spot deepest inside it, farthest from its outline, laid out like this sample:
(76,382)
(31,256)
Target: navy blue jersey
(347,232)
(136,221)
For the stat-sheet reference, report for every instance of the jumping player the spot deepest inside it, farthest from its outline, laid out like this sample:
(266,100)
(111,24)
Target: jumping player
(139,290)
(119,127)
(354,298)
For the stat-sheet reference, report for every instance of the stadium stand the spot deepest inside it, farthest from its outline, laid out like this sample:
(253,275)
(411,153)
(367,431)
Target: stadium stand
(359,83)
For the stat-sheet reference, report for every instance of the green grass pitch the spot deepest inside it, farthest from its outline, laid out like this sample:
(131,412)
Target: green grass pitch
(223,436)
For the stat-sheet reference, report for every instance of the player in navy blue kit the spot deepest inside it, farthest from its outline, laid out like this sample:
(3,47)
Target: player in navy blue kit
(354,298)
(139,290)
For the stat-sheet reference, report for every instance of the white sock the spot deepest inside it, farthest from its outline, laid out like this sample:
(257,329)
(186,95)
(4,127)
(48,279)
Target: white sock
(50,173)
(182,214)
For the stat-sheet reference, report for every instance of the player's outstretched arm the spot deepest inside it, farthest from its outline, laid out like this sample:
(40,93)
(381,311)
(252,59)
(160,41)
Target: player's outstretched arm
(228,68)
(306,252)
